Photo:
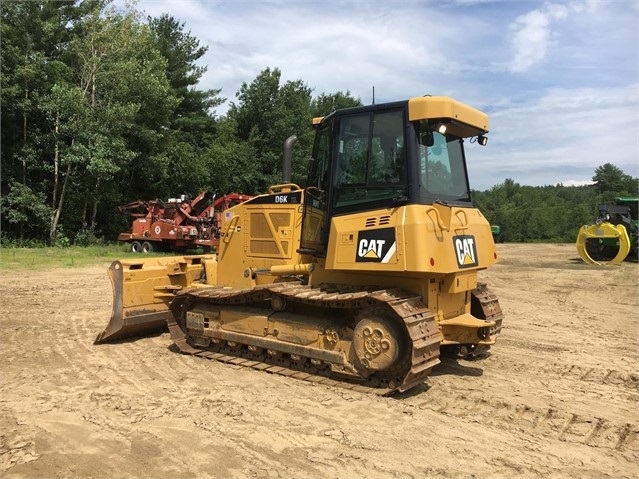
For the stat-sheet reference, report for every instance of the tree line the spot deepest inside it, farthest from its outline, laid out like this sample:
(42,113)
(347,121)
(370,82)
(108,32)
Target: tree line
(101,107)
(551,213)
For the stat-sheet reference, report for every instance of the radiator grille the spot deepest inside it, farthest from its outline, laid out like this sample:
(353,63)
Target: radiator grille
(381,221)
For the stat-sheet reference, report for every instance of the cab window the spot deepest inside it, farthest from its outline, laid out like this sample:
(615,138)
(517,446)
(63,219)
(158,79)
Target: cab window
(371,158)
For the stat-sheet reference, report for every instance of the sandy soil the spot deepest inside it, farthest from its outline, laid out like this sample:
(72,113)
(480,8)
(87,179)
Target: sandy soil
(557,398)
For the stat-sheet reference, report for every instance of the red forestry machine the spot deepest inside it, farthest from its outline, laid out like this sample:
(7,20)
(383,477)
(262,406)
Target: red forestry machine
(178,224)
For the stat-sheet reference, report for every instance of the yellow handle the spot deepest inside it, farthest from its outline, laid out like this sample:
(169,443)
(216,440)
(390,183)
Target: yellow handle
(283,187)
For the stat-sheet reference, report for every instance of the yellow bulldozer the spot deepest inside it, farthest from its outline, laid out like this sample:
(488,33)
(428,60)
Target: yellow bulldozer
(361,279)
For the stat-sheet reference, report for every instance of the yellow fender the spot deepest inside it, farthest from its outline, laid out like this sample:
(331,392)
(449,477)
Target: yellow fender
(601,231)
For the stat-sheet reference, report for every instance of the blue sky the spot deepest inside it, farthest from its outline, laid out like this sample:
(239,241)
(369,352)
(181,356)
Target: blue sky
(559,80)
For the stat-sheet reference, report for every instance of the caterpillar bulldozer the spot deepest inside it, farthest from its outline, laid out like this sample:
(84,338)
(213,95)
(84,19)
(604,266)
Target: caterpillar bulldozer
(613,237)
(361,279)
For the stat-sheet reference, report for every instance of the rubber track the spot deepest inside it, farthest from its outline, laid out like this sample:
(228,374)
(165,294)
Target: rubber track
(420,324)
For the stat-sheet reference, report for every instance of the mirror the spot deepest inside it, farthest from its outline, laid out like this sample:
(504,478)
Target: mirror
(426,138)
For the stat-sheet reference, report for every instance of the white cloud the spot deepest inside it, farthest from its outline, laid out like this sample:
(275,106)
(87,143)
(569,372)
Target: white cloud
(565,133)
(533,32)
(577,182)
(332,52)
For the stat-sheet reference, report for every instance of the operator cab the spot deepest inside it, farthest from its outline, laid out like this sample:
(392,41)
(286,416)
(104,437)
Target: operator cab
(385,156)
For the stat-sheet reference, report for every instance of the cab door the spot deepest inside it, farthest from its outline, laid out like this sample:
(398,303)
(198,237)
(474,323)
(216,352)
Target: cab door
(316,221)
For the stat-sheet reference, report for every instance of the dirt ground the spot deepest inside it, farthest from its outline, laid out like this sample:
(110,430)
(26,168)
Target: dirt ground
(557,398)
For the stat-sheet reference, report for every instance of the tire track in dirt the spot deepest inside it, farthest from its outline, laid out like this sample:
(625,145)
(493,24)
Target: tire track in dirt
(559,423)
(556,398)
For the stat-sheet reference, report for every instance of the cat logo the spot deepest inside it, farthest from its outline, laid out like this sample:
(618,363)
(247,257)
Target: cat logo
(376,246)
(465,251)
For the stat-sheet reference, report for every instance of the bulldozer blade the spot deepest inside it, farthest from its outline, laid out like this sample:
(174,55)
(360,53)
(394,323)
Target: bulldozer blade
(603,231)
(142,293)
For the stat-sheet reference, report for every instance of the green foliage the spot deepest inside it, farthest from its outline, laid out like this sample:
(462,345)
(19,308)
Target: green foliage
(22,206)
(95,99)
(61,240)
(10,242)
(325,103)
(181,51)
(611,181)
(87,237)
(538,213)
(178,162)
(266,115)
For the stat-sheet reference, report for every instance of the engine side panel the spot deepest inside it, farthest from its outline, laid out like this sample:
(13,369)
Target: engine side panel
(257,235)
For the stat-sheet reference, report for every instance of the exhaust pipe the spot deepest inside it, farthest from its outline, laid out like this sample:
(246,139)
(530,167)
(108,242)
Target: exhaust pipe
(287,158)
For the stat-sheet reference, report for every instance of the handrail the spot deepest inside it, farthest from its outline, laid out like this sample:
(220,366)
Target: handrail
(464,222)
(439,222)
(278,188)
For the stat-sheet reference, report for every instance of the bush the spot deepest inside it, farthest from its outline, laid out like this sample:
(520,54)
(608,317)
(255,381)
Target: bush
(87,237)
(61,240)
(8,242)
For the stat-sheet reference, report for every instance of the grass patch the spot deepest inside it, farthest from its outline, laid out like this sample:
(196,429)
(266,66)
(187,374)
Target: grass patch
(56,257)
